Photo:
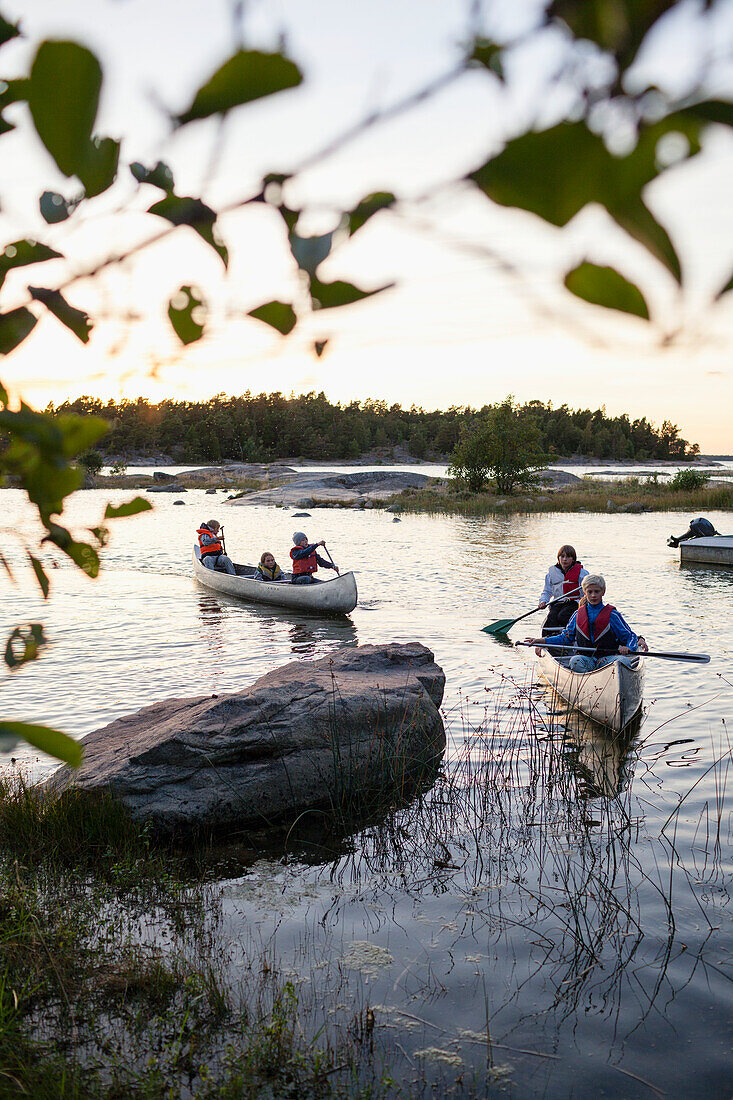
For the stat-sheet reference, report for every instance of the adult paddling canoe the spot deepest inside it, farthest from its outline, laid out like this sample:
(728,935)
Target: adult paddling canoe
(335,597)
(610,695)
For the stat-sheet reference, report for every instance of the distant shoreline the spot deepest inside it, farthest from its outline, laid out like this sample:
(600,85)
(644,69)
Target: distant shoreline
(161,461)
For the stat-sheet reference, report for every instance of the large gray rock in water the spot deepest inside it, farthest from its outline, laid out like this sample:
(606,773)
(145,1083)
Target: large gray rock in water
(337,731)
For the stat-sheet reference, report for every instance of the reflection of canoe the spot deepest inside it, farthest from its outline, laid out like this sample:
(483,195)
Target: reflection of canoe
(336,597)
(610,695)
(715,550)
(599,754)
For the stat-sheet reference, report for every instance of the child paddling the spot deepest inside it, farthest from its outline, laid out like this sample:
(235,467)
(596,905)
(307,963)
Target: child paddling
(562,579)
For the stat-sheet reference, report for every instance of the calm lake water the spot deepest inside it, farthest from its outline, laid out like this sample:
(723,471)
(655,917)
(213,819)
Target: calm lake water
(571,895)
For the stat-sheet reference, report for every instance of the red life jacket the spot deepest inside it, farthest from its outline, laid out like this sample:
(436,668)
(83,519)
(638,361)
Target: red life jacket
(214,547)
(604,641)
(572,582)
(303,565)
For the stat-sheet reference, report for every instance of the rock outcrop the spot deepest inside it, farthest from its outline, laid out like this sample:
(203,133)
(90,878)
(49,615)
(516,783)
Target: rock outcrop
(359,725)
(327,487)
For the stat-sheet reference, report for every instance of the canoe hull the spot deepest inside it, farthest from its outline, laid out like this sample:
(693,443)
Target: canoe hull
(716,550)
(334,597)
(610,696)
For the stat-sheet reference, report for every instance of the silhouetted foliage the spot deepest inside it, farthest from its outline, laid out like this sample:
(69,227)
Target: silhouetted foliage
(502,444)
(268,426)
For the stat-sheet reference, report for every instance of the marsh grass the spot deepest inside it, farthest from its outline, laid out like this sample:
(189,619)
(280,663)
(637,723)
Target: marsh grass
(124,984)
(114,981)
(592,495)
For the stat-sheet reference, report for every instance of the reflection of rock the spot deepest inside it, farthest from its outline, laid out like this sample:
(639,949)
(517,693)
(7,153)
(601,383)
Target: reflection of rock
(343,730)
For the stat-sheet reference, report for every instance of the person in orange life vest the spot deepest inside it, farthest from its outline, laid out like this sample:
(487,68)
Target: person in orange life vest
(212,550)
(306,560)
(597,626)
(562,579)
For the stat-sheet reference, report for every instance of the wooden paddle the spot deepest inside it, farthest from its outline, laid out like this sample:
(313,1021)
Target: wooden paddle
(333,563)
(502,625)
(697,658)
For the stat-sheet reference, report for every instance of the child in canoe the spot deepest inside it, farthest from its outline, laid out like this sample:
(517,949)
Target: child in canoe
(562,583)
(599,627)
(268,569)
(306,560)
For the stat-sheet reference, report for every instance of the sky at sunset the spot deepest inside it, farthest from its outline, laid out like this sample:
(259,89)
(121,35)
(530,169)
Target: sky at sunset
(478,309)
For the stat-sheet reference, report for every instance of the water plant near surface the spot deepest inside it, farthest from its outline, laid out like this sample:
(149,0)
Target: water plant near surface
(530,867)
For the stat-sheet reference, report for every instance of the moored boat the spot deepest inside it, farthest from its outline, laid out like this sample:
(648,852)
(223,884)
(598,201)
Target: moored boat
(333,597)
(610,695)
(712,550)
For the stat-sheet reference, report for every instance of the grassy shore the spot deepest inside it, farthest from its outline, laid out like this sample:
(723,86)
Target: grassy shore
(591,495)
(114,981)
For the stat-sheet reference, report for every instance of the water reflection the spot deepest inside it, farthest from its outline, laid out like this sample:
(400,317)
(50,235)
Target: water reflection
(211,615)
(306,635)
(718,578)
(309,635)
(598,756)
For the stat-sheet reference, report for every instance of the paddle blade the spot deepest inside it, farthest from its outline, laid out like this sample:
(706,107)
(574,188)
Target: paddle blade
(696,658)
(499,627)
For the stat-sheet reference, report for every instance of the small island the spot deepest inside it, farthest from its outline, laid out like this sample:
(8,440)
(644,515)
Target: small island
(500,458)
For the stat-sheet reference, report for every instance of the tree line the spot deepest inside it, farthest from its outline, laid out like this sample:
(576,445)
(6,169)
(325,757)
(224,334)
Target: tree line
(268,426)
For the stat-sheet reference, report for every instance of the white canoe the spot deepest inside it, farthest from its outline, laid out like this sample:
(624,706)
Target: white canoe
(334,597)
(714,550)
(610,695)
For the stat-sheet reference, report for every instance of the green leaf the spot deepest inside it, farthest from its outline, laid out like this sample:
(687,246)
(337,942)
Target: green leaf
(246,76)
(63,95)
(129,508)
(78,433)
(319,346)
(290,217)
(40,574)
(368,207)
(711,110)
(74,319)
(617,26)
(14,327)
(187,211)
(332,295)
(99,167)
(309,252)
(187,314)
(101,534)
(83,555)
(7,31)
(640,223)
(46,740)
(23,645)
(556,172)
(605,287)
(23,253)
(487,54)
(13,91)
(160,176)
(3,396)
(55,208)
(279,315)
(724,290)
